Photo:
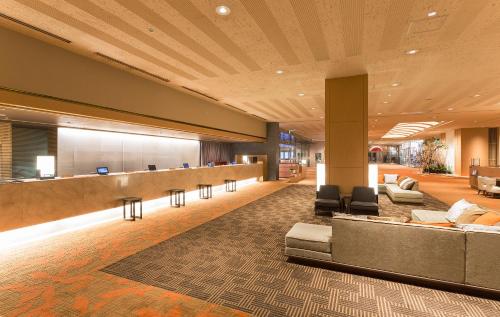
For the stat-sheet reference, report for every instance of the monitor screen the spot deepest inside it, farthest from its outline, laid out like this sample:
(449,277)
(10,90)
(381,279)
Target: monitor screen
(102,170)
(152,167)
(185,165)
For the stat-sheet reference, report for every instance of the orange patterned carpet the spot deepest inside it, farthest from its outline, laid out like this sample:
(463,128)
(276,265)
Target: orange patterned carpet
(60,276)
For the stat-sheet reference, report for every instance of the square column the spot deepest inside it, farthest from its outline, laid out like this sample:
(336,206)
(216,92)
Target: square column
(346,125)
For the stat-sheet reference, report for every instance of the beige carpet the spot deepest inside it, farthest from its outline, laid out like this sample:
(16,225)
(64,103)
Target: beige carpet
(237,261)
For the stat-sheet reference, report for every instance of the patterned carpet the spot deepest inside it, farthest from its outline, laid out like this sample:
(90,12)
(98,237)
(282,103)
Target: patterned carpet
(237,261)
(388,208)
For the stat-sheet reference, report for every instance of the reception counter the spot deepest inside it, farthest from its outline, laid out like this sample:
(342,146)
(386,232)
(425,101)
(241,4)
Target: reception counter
(37,201)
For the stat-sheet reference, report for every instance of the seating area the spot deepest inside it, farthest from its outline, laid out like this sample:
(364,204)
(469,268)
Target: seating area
(445,246)
(362,200)
(401,189)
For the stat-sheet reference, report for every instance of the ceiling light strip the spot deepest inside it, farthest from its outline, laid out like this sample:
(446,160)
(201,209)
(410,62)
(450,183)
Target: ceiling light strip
(34,28)
(132,67)
(200,93)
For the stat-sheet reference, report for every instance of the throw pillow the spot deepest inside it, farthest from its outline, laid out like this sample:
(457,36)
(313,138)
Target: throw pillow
(457,209)
(489,219)
(402,184)
(390,178)
(408,184)
(470,215)
(401,179)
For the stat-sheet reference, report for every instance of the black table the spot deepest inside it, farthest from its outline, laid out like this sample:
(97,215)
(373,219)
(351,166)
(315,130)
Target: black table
(179,197)
(132,201)
(230,185)
(205,191)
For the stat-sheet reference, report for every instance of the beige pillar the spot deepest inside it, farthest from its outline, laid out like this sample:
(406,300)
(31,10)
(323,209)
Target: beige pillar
(346,123)
(5,150)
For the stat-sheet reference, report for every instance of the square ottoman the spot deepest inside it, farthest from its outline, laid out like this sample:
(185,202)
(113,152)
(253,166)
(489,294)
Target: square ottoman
(307,240)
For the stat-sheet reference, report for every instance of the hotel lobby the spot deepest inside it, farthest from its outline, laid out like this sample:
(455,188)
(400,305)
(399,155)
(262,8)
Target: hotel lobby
(250,158)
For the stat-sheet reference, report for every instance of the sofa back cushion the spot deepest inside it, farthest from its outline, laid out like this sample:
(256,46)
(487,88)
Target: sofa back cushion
(457,209)
(364,194)
(329,192)
(470,215)
(391,178)
(482,259)
(430,252)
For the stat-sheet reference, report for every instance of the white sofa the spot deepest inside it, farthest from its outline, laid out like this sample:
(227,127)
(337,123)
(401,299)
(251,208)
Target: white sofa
(397,194)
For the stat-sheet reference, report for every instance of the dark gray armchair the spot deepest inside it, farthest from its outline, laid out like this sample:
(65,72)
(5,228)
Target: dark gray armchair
(363,201)
(327,198)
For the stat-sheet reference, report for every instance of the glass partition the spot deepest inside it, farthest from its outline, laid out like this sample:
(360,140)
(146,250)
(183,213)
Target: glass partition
(81,151)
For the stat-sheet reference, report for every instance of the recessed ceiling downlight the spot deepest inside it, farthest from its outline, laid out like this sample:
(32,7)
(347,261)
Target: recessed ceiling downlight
(412,52)
(395,84)
(223,10)
(432,13)
(301,94)
(280,71)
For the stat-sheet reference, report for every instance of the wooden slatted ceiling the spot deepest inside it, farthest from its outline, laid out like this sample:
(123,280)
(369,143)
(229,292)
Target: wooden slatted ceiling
(234,58)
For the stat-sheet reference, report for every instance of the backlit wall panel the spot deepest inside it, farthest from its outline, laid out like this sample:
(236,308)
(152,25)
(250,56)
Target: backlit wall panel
(81,151)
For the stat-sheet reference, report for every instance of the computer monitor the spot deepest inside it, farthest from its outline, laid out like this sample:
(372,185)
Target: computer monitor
(185,165)
(152,167)
(103,170)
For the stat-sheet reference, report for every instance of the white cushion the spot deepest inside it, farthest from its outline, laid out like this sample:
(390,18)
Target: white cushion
(390,178)
(428,215)
(457,209)
(309,237)
(397,192)
(476,227)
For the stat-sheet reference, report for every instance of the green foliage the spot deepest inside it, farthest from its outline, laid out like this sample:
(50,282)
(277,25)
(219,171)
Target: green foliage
(432,156)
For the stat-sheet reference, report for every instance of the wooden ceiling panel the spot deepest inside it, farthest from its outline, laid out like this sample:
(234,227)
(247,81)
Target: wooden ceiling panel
(234,58)
(158,22)
(269,25)
(308,18)
(189,11)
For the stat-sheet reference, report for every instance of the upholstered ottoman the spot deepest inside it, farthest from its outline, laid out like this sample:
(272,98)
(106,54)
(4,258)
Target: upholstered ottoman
(307,240)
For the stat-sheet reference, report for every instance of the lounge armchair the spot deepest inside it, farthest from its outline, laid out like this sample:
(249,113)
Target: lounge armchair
(363,201)
(327,198)
(482,184)
(492,189)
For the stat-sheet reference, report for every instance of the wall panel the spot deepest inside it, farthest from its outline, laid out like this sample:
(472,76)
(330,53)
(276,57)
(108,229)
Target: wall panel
(81,151)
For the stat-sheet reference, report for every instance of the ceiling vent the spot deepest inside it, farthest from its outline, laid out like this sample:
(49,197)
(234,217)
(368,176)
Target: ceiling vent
(200,93)
(111,59)
(34,28)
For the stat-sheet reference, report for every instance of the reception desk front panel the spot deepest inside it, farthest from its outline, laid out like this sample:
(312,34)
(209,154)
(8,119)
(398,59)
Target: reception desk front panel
(34,202)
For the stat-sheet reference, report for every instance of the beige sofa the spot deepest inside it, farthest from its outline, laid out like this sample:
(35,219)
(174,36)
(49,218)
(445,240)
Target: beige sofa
(397,194)
(432,253)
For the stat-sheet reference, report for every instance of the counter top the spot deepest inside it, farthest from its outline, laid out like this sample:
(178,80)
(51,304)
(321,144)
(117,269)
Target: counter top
(28,180)
(36,201)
